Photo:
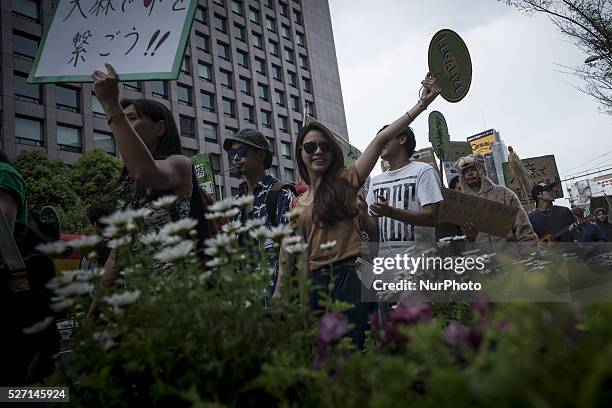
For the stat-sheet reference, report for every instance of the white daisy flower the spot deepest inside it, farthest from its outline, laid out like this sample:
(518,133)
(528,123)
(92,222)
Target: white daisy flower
(164,202)
(212,251)
(52,248)
(141,213)
(171,240)
(90,274)
(296,248)
(126,271)
(111,231)
(122,299)
(62,305)
(259,233)
(231,213)
(84,242)
(74,289)
(184,224)
(328,245)
(294,213)
(231,227)
(175,253)
(68,276)
(119,218)
(280,231)
(151,238)
(223,205)
(117,242)
(247,304)
(38,326)
(255,223)
(213,215)
(220,241)
(293,240)
(244,200)
(215,262)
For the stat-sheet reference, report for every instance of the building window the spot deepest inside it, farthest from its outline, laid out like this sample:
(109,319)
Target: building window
(185,69)
(289,55)
(210,132)
(256,39)
(208,101)
(292,79)
(279,97)
(270,24)
(283,124)
(239,32)
(201,41)
(297,17)
(260,66)
(269,3)
(24,46)
(243,58)
(24,91)
(300,39)
(229,132)
(223,50)
(228,108)
(219,2)
(184,94)
(262,92)
(236,7)
(303,62)
(245,85)
(220,23)
(132,85)
(215,161)
(266,118)
(295,103)
(289,174)
(189,152)
(29,131)
(272,144)
(159,89)
(104,141)
(296,125)
(286,150)
(27,9)
(306,85)
(273,171)
(69,139)
(225,77)
(254,15)
(67,98)
(247,112)
(187,126)
(277,72)
(204,71)
(286,31)
(284,11)
(273,48)
(96,107)
(200,14)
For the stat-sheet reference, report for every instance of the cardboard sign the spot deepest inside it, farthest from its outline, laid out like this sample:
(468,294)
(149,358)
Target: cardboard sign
(202,165)
(450,63)
(487,216)
(142,39)
(438,134)
(482,143)
(457,150)
(543,169)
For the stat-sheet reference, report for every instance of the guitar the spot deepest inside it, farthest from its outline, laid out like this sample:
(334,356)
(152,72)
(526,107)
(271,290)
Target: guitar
(549,239)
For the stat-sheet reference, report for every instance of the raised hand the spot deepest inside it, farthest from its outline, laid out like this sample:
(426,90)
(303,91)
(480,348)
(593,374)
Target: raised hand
(106,86)
(430,90)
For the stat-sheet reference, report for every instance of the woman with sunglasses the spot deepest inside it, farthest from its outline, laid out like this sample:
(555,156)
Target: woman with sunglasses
(330,213)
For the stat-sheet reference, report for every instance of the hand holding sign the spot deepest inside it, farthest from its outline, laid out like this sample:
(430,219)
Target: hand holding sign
(106,86)
(430,90)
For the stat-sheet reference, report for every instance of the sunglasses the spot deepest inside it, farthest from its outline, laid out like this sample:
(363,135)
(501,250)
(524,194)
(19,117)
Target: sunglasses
(311,147)
(241,152)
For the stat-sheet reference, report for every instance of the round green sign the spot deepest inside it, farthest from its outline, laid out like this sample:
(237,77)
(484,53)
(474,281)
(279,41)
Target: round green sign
(450,64)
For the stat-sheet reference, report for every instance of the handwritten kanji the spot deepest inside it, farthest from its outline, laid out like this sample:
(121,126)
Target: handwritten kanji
(109,37)
(176,8)
(75,4)
(123,4)
(79,41)
(100,5)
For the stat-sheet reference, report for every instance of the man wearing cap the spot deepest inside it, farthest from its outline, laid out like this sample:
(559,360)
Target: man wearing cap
(474,181)
(249,152)
(549,220)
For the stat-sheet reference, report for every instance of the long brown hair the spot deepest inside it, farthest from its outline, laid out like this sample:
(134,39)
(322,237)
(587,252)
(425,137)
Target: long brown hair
(336,198)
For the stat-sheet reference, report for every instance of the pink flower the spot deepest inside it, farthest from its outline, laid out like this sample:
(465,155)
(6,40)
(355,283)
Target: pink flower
(333,326)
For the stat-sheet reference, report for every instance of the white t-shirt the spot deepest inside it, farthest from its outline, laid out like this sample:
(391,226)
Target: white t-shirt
(410,188)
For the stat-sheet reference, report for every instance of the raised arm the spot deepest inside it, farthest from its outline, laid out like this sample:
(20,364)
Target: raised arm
(146,171)
(368,159)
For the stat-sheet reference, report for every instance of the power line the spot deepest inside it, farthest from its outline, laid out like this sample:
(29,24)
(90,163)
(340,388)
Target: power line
(587,174)
(589,161)
(603,163)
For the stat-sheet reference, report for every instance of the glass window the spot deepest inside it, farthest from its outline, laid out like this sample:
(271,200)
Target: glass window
(292,79)
(229,132)
(306,85)
(104,141)
(220,23)
(201,41)
(27,9)
(239,32)
(210,132)
(200,14)
(262,91)
(96,107)
(256,39)
(269,3)
(185,66)
(189,152)
(273,48)
(223,50)
(296,125)
(220,2)
(273,171)
(277,72)
(295,103)
(187,126)
(266,118)
(283,9)
(303,62)
(225,77)
(184,94)
(286,31)
(245,85)
(272,144)
(286,150)
(69,139)
(29,131)
(289,55)
(243,58)
(236,7)
(300,39)
(254,15)
(204,71)
(270,24)
(208,101)
(67,98)
(158,88)
(260,66)
(24,46)
(289,174)
(283,124)
(279,96)
(24,91)
(132,85)
(298,17)
(247,112)
(228,108)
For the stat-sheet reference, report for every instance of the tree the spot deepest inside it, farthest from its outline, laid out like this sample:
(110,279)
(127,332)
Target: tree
(588,23)
(95,175)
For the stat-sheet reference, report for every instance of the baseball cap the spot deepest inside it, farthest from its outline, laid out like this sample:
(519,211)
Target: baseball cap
(542,186)
(253,138)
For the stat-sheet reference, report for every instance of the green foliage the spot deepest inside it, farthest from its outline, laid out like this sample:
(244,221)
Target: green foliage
(95,175)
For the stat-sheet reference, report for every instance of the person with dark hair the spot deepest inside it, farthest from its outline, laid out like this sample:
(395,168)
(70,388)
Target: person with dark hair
(329,218)
(13,198)
(587,231)
(403,201)
(550,222)
(601,219)
(454,184)
(97,211)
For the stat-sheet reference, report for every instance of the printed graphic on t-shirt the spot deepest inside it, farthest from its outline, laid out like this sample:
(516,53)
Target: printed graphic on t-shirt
(399,194)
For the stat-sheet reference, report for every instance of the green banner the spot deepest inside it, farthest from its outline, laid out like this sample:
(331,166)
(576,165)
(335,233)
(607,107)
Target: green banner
(438,134)
(204,173)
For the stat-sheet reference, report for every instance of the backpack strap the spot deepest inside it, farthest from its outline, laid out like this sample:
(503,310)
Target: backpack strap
(272,200)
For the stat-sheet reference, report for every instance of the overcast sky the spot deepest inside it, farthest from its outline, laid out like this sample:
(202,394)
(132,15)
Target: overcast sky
(516,85)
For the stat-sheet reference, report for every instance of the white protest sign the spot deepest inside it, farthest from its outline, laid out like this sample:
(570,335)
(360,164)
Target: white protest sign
(142,39)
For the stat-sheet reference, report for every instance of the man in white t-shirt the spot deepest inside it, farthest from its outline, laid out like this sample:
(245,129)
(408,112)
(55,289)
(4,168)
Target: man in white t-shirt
(403,202)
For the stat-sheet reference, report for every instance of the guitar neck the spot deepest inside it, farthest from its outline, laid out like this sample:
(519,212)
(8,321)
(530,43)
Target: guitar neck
(565,230)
